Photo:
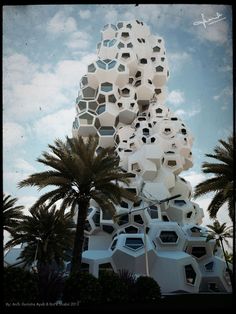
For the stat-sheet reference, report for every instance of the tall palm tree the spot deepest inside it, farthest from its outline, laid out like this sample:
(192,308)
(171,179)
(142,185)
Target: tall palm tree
(79,175)
(221,233)
(222,182)
(48,234)
(12,214)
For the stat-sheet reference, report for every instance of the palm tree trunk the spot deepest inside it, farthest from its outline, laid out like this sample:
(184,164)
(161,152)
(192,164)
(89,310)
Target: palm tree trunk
(79,238)
(227,264)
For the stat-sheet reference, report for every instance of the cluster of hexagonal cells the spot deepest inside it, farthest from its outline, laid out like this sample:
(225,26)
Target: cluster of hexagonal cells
(122,99)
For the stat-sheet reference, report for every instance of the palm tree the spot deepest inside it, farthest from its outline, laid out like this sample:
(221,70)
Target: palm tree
(47,233)
(12,214)
(79,175)
(220,232)
(222,182)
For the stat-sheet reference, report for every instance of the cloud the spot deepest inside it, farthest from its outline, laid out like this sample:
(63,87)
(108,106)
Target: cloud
(79,40)
(13,135)
(56,125)
(24,165)
(194,177)
(111,15)
(188,113)
(177,60)
(175,97)
(60,23)
(43,91)
(226,92)
(85,14)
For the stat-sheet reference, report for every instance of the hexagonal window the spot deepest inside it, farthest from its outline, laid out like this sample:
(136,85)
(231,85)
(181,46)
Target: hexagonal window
(89,92)
(195,230)
(120,25)
(189,214)
(153,211)
(198,251)
(158,91)
(158,110)
(125,92)
(106,215)
(190,274)
(138,83)
(134,243)
(171,163)
(96,218)
(106,130)
(91,68)
(123,219)
(124,204)
(168,236)
(101,98)
(119,104)
(125,55)
(165,218)
(120,45)
(153,139)
(113,246)
(146,132)
(131,229)
(138,74)
(112,64)
(106,87)
(209,266)
(179,202)
(135,167)
(159,68)
(84,80)
(86,118)
(143,61)
(101,109)
(108,229)
(112,98)
(162,59)
(183,131)
(129,45)
(156,49)
(138,219)
(159,40)
(112,42)
(121,68)
(137,204)
(113,27)
(129,26)
(101,64)
(125,35)
(82,105)
(97,123)
(92,105)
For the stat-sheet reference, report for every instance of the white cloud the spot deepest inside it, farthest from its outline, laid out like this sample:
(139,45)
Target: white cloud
(13,135)
(226,92)
(194,177)
(43,92)
(60,23)
(177,60)
(79,40)
(188,113)
(110,15)
(24,165)
(56,125)
(175,97)
(85,14)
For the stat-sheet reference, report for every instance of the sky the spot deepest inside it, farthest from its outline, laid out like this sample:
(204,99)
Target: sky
(47,48)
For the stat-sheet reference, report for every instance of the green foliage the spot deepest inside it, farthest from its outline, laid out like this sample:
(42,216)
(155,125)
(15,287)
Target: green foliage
(114,289)
(12,214)
(48,233)
(222,181)
(20,286)
(84,288)
(147,290)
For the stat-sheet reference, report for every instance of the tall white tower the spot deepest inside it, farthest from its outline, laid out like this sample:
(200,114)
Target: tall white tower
(122,99)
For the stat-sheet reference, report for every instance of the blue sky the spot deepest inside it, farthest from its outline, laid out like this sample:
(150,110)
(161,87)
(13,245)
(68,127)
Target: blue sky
(47,48)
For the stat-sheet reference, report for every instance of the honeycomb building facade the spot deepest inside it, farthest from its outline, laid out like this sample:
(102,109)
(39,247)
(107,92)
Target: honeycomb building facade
(122,99)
